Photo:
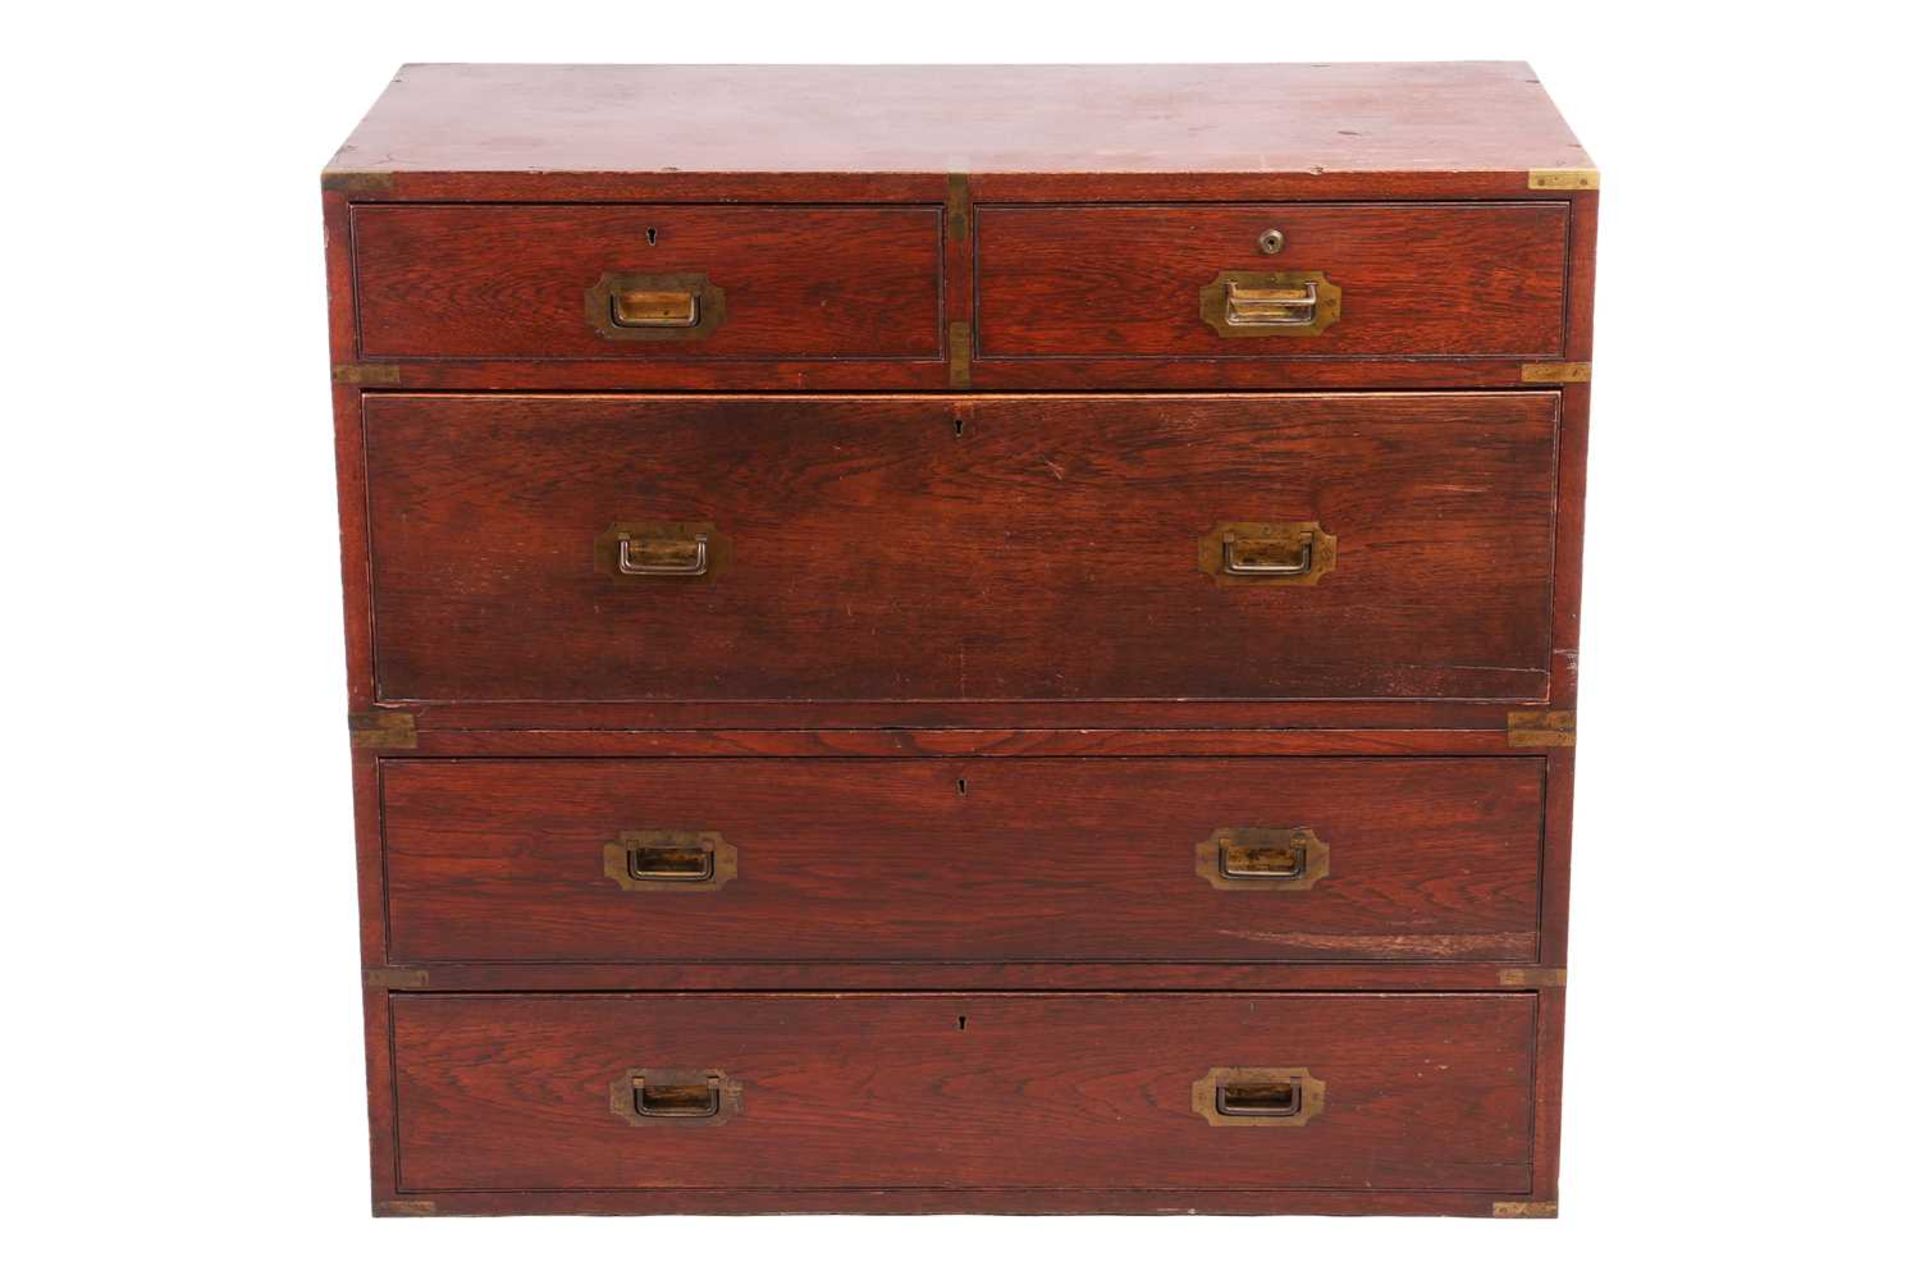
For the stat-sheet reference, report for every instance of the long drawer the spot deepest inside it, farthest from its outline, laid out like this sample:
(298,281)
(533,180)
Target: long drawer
(933,860)
(669,548)
(795,1091)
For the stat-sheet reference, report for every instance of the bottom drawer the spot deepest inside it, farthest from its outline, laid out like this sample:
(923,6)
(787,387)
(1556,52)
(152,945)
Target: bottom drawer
(802,1091)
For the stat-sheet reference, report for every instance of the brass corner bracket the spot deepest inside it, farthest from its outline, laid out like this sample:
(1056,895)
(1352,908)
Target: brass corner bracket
(1563,179)
(1526,1208)
(357,182)
(383,730)
(1540,728)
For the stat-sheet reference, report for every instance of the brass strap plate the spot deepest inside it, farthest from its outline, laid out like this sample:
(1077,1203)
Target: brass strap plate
(1540,728)
(383,730)
(1526,1209)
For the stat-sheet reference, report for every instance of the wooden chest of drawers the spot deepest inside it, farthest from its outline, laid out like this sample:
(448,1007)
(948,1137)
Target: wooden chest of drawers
(963,639)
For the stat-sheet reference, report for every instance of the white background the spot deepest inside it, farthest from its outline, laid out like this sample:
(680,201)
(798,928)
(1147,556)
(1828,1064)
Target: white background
(184,1086)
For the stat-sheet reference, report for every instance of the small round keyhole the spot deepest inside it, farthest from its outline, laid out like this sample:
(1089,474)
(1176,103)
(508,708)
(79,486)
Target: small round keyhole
(1272,241)
(653,235)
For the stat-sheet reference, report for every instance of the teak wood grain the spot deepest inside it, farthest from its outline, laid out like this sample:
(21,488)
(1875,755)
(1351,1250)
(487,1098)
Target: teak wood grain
(1006,548)
(1423,1092)
(1415,279)
(962,429)
(1025,860)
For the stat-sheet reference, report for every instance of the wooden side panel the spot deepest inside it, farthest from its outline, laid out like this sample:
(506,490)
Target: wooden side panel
(917,548)
(1021,860)
(1423,1092)
(505,281)
(1458,280)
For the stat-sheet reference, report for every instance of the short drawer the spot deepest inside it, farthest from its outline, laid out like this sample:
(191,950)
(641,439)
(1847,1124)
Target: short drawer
(1248,1092)
(949,860)
(1199,281)
(647,282)
(686,549)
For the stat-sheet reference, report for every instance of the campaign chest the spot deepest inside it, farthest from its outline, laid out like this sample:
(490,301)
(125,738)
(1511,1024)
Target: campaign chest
(963,639)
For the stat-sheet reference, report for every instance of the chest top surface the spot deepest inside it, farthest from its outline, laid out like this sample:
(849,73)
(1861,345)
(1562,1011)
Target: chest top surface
(1299,118)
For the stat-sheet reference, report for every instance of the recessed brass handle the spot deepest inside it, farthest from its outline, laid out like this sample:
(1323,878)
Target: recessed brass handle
(1262,562)
(1292,552)
(1251,304)
(670,860)
(690,552)
(1287,858)
(656,308)
(663,557)
(628,306)
(1282,1097)
(684,1101)
(674,1095)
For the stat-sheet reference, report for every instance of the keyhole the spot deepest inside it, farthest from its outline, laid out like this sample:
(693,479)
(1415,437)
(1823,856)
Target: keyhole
(653,235)
(961,786)
(959,427)
(963,1022)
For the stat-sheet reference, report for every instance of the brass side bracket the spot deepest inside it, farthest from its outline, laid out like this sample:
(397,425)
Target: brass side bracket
(383,730)
(1526,1208)
(1563,179)
(396,978)
(1533,977)
(1539,728)
(1563,371)
(367,375)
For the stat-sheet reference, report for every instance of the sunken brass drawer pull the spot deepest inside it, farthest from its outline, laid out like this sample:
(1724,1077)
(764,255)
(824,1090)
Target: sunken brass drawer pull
(1287,858)
(1270,304)
(1297,553)
(654,550)
(627,306)
(1283,1097)
(676,1096)
(683,861)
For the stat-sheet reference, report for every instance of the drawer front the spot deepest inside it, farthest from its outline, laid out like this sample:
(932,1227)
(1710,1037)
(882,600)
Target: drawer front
(1386,279)
(1416,1092)
(986,860)
(631,548)
(647,282)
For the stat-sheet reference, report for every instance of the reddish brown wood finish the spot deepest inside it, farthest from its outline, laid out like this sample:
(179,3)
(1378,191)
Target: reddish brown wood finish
(962,860)
(1415,279)
(695,123)
(954,148)
(913,549)
(1423,1092)
(509,281)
